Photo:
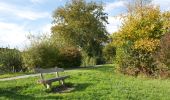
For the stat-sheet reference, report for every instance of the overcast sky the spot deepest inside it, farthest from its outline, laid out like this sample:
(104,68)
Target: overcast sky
(18,18)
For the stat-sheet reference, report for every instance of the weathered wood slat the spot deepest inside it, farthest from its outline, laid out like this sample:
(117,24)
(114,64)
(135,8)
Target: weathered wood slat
(48,81)
(50,70)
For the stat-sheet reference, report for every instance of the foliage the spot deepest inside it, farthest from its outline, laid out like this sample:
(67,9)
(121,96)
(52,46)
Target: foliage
(41,53)
(109,53)
(10,60)
(164,54)
(87,60)
(81,24)
(101,81)
(91,61)
(69,57)
(139,38)
(45,54)
(145,44)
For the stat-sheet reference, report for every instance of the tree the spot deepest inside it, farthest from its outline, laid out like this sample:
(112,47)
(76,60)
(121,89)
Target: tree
(70,57)
(44,54)
(163,54)
(41,53)
(140,37)
(10,60)
(81,24)
(109,53)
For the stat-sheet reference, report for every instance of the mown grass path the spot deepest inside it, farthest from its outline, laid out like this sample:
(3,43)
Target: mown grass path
(99,83)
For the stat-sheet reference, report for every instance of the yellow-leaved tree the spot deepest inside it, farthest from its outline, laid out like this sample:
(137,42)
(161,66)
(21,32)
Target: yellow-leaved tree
(138,39)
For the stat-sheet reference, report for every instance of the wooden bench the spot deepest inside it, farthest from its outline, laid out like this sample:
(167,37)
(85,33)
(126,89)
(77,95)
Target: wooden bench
(48,82)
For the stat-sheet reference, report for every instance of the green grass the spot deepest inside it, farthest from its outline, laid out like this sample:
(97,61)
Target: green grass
(8,75)
(90,84)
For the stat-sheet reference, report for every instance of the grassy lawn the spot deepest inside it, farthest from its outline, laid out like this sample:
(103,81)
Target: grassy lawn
(13,75)
(90,84)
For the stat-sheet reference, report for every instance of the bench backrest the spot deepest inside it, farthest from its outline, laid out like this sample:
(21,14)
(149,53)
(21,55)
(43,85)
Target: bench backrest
(49,70)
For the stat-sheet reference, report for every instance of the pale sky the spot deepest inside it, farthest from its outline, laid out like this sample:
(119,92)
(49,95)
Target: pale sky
(18,18)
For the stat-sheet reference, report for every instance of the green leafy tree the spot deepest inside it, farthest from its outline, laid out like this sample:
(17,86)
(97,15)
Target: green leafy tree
(81,24)
(44,54)
(10,60)
(109,53)
(69,57)
(41,53)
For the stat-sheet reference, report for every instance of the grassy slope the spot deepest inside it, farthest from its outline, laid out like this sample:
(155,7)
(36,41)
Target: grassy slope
(90,84)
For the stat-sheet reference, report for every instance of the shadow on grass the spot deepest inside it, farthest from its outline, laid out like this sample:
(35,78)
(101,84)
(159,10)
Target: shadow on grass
(69,87)
(16,96)
(48,98)
(81,86)
(13,94)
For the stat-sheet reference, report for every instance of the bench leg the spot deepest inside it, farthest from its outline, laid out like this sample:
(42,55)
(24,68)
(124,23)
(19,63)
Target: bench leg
(59,82)
(62,82)
(44,85)
(48,86)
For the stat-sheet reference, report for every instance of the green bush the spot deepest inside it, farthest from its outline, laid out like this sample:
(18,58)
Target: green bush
(91,61)
(109,53)
(10,60)
(42,54)
(100,60)
(69,57)
(88,61)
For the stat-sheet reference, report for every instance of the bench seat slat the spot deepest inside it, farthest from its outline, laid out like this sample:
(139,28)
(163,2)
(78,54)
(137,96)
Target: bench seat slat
(47,82)
(53,79)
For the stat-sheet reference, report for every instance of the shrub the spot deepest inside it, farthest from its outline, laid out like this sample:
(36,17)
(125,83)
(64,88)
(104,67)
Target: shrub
(109,53)
(69,57)
(164,52)
(138,40)
(42,54)
(10,60)
(88,61)
(100,60)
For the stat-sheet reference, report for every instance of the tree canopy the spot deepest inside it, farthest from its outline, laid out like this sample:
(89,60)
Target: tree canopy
(139,37)
(82,24)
